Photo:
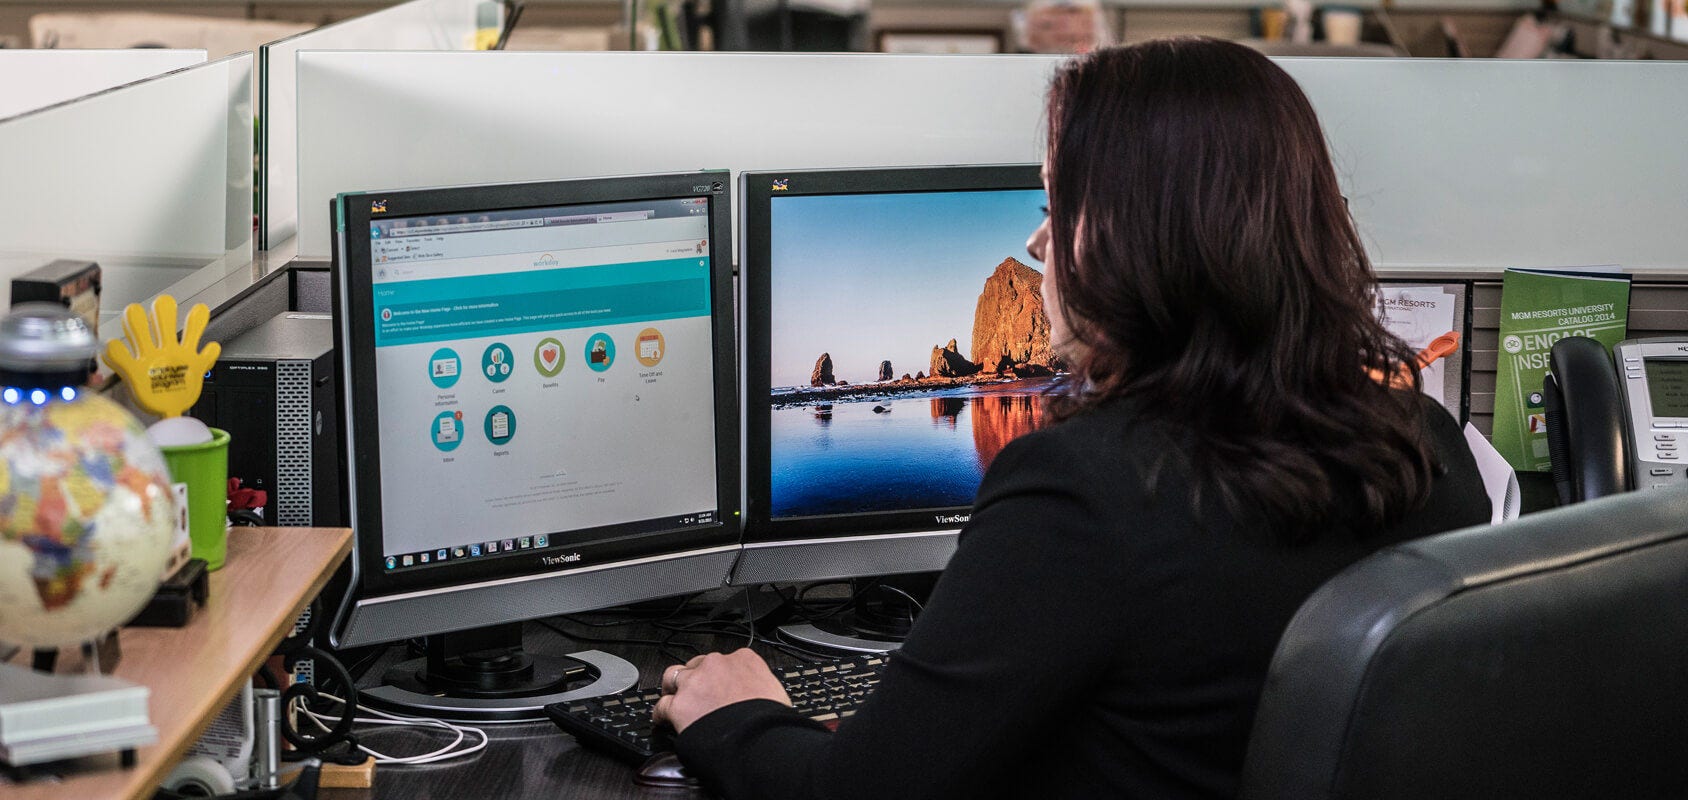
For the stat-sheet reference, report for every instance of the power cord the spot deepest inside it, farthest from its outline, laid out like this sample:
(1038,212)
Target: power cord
(383,719)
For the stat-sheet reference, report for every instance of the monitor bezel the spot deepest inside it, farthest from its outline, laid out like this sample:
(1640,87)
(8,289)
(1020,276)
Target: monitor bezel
(756,194)
(353,301)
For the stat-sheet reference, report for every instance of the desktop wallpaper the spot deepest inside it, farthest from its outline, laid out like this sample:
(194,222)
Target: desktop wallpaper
(909,345)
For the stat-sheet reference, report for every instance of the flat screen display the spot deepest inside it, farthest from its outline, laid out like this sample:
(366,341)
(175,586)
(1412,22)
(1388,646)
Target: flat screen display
(907,344)
(1667,387)
(537,384)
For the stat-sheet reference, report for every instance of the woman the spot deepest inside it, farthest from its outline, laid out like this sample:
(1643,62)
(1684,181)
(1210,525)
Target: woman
(1225,447)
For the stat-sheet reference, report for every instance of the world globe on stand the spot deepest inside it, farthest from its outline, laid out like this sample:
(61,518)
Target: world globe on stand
(86,517)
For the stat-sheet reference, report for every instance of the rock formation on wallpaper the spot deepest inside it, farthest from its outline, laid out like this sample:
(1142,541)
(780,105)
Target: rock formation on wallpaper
(947,362)
(1010,325)
(822,374)
(885,370)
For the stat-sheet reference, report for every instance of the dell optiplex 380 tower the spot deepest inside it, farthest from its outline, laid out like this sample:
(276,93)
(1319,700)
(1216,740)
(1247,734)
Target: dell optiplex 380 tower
(273,390)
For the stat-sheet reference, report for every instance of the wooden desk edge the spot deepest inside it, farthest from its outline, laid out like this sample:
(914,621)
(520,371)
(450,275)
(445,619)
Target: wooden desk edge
(158,764)
(102,777)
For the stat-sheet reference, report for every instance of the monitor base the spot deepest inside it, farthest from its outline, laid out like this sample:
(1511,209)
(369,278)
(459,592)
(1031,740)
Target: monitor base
(809,635)
(608,675)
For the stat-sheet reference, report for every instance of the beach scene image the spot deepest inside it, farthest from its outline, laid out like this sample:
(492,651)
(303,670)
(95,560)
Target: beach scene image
(909,346)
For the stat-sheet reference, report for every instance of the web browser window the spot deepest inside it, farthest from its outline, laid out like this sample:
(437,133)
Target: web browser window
(553,366)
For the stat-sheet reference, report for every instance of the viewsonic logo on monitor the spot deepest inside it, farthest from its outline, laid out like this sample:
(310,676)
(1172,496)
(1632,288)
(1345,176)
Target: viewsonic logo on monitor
(782,185)
(953,519)
(552,561)
(378,207)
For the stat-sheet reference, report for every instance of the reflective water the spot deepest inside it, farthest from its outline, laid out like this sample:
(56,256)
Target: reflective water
(918,451)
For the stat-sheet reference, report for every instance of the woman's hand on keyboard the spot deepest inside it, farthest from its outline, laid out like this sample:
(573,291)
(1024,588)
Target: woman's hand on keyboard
(712,681)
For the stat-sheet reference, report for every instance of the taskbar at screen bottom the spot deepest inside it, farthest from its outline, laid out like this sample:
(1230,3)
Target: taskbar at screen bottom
(400,562)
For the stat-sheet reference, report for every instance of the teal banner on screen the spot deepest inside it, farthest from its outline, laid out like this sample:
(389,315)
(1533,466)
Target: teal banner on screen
(415,312)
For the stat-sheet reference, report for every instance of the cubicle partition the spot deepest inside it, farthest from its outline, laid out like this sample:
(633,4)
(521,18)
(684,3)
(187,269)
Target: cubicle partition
(416,25)
(153,180)
(392,120)
(40,78)
(1463,165)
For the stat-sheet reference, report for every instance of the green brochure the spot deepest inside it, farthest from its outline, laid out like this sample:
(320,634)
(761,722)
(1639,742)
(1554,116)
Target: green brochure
(1538,308)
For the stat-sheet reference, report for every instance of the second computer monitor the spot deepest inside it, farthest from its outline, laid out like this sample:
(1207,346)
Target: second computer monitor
(895,341)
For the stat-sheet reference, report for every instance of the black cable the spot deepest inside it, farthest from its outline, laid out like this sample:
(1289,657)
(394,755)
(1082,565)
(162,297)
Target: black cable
(512,14)
(662,645)
(625,621)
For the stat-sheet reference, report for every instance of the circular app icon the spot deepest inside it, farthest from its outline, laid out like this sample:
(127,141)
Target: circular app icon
(386,315)
(447,430)
(548,357)
(600,352)
(500,425)
(444,367)
(496,362)
(649,347)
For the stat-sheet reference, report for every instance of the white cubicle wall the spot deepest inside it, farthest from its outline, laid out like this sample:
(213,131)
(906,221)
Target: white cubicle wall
(40,78)
(447,118)
(416,25)
(1447,164)
(153,180)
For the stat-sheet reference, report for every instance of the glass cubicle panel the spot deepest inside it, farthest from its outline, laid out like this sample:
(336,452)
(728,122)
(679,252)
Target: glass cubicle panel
(394,120)
(40,78)
(152,180)
(1470,164)
(416,25)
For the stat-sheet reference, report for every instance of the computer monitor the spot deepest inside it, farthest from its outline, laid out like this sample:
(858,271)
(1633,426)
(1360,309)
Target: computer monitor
(540,417)
(894,341)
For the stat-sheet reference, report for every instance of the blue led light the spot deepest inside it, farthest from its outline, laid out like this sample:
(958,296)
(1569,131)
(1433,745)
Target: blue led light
(12,396)
(68,393)
(37,397)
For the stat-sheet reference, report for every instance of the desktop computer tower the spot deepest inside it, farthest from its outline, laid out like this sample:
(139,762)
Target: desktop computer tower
(273,390)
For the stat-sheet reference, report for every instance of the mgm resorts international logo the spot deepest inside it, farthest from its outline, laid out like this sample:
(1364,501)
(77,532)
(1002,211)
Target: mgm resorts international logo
(552,561)
(953,519)
(547,260)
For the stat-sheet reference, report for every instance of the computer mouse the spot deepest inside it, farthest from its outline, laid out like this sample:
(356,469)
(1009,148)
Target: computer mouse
(664,770)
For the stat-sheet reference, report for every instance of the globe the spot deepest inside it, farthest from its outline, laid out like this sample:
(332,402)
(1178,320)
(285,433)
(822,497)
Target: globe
(86,517)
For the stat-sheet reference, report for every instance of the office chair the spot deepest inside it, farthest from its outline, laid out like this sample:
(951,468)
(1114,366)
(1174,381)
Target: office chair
(1542,658)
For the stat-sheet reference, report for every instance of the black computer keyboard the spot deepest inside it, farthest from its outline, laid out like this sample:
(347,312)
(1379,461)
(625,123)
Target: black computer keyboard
(620,724)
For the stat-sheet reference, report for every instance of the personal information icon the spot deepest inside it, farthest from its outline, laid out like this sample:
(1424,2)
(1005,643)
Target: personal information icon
(444,367)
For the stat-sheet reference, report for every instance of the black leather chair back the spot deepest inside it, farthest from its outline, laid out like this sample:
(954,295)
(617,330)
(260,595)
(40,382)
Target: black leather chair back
(1542,658)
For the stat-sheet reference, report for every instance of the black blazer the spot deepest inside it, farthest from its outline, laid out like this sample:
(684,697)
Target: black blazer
(1091,638)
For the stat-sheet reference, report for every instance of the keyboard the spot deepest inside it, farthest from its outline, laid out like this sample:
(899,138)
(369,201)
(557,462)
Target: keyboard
(619,725)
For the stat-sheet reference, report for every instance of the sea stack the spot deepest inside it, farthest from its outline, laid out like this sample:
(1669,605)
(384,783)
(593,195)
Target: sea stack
(884,370)
(947,362)
(822,374)
(1010,324)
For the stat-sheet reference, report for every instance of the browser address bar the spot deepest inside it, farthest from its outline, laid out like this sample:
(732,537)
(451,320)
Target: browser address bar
(466,227)
(427,265)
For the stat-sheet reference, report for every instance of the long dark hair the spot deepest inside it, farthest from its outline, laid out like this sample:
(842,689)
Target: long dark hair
(1209,272)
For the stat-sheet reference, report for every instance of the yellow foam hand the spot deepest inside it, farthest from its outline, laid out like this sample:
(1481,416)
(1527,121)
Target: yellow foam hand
(164,374)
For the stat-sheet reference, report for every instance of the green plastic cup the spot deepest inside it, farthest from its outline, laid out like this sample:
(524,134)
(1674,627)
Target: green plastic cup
(205,470)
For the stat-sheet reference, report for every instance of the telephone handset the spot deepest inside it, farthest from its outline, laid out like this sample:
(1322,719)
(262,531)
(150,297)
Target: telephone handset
(1610,429)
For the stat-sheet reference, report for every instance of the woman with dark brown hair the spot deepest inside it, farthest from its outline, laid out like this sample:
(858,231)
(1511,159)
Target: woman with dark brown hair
(1224,448)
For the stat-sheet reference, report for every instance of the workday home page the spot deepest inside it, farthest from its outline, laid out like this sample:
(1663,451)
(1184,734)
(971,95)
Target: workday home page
(542,371)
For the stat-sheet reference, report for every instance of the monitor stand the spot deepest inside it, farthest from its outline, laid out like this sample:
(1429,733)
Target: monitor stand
(884,612)
(485,675)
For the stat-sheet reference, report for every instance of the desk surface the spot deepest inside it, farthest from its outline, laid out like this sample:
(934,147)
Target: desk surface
(193,672)
(536,759)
